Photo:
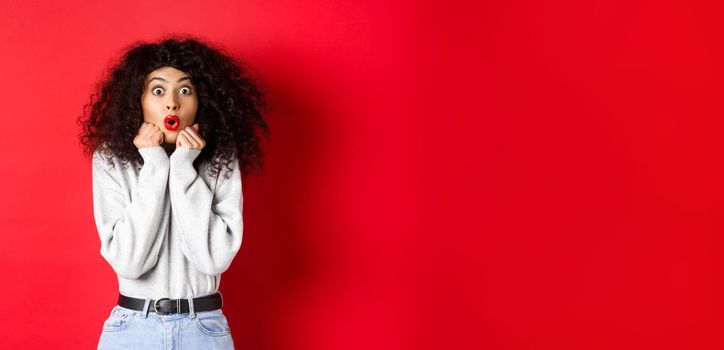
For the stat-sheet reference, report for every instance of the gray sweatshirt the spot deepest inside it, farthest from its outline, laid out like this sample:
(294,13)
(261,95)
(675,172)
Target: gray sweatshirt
(166,230)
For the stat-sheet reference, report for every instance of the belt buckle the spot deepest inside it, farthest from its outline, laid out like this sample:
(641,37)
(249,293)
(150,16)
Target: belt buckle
(155,306)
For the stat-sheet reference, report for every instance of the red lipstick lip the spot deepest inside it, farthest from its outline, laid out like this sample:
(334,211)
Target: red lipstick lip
(172,122)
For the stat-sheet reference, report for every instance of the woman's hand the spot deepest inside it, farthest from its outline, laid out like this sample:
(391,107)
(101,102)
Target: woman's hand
(189,138)
(149,135)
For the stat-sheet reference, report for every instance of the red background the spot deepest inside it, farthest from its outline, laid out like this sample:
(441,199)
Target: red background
(507,175)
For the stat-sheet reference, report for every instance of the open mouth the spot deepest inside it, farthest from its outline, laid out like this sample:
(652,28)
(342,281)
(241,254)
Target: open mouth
(172,122)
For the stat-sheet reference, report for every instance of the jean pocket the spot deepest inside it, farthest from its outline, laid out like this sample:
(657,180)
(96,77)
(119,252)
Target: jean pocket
(213,323)
(119,319)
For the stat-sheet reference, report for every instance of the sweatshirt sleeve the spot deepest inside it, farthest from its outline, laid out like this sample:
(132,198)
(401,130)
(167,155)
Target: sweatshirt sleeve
(132,232)
(210,222)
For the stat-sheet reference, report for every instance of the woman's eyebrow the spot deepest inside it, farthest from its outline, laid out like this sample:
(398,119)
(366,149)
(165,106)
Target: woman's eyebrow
(164,80)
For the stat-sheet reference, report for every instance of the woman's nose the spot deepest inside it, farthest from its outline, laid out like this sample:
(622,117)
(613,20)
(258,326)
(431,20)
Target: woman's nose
(171,103)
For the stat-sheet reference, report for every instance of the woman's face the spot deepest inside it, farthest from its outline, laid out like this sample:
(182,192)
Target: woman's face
(169,91)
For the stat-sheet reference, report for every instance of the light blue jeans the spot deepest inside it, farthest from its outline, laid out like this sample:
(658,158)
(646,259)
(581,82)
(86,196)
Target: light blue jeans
(132,329)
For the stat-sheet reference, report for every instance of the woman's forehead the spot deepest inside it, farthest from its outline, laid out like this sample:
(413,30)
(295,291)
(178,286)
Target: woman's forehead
(168,74)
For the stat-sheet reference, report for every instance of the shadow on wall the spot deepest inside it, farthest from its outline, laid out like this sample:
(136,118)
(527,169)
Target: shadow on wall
(276,262)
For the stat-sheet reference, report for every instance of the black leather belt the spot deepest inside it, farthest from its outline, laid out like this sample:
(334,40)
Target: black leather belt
(166,306)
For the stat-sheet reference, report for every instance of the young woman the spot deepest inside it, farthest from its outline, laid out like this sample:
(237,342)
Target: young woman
(171,132)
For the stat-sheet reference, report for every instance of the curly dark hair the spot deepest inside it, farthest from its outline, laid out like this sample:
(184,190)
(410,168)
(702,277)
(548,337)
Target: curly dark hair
(231,104)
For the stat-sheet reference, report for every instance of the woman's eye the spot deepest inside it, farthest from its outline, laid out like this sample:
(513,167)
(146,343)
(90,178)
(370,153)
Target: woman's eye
(188,90)
(157,89)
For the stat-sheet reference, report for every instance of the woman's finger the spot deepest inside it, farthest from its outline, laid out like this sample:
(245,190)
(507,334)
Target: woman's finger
(196,137)
(179,140)
(188,139)
(148,129)
(158,136)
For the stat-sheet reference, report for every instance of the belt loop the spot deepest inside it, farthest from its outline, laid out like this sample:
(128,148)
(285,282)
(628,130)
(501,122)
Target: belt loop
(192,314)
(146,306)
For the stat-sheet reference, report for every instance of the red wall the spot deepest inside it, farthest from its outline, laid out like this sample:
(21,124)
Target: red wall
(507,175)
